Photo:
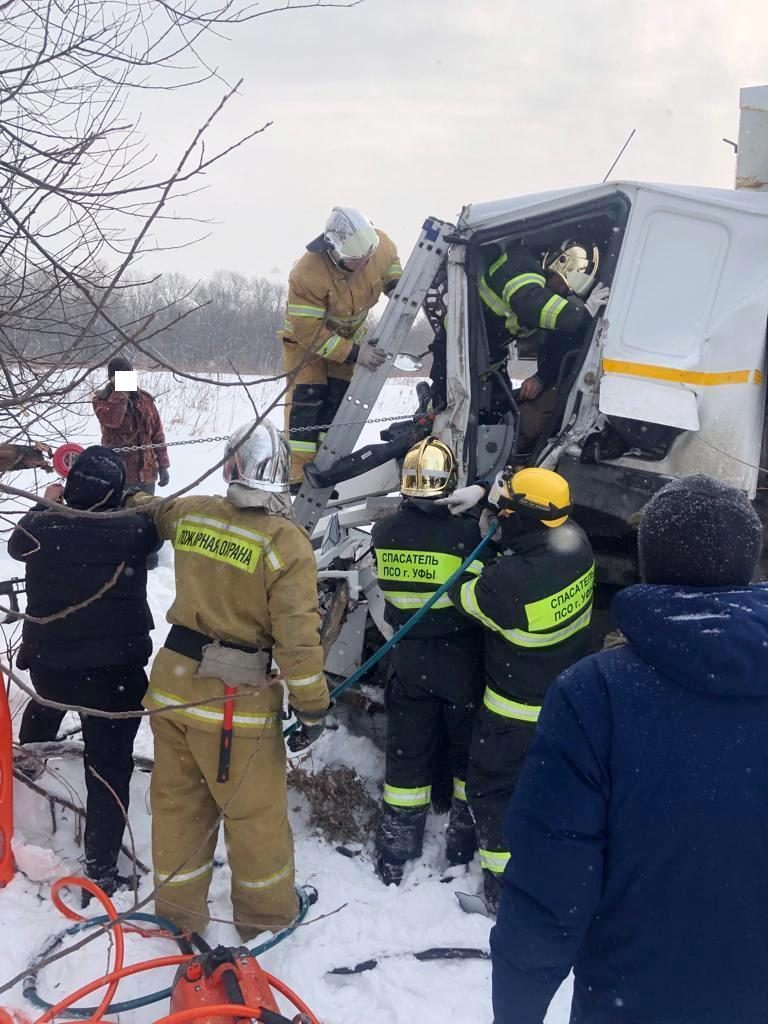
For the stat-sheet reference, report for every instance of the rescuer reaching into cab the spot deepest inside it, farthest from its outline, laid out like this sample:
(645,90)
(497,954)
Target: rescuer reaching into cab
(534,603)
(522,294)
(437,667)
(246,589)
(331,290)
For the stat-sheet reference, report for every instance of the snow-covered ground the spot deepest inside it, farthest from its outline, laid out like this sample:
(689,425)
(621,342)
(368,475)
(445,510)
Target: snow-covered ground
(371,920)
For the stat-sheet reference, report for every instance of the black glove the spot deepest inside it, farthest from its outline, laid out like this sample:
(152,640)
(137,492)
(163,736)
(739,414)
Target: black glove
(307,732)
(303,737)
(163,476)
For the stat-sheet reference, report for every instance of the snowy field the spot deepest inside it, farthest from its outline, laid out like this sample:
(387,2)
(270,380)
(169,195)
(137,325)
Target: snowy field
(370,921)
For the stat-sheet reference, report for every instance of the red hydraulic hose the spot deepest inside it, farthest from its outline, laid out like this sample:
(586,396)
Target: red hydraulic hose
(109,909)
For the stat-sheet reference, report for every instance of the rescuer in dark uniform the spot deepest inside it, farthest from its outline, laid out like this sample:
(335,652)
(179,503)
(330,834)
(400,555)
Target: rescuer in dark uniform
(437,667)
(520,294)
(535,604)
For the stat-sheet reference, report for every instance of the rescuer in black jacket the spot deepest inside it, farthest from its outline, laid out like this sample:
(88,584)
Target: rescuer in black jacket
(437,667)
(535,604)
(93,657)
(520,295)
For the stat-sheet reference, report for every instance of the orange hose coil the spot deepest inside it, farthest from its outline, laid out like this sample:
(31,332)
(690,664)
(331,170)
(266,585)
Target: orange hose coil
(119,971)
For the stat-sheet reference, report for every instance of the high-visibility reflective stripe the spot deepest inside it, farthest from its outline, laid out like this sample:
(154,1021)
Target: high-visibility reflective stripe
(491,299)
(475,568)
(347,321)
(459,789)
(551,311)
(520,637)
(501,705)
(302,446)
(264,883)
(208,713)
(551,611)
(406,600)
(704,377)
(394,269)
(405,566)
(182,877)
(468,601)
(521,281)
(330,345)
(494,860)
(512,325)
(318,677)
(274,560)
(397,796)
(497,263)
(313,312)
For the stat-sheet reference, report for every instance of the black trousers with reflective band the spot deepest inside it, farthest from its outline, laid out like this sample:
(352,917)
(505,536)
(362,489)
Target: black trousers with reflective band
(496,757)
(108,747)
(432,701)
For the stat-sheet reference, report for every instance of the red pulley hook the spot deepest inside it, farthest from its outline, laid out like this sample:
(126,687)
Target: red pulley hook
(64,456)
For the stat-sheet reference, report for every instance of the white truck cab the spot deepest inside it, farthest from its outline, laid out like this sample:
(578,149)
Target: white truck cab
(666,382)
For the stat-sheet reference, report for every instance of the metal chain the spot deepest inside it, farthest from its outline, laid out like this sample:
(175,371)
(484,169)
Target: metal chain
(225,437)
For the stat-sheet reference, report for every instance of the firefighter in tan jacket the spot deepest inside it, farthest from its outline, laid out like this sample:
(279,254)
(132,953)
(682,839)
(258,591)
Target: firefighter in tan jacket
(331,290)
(246,591)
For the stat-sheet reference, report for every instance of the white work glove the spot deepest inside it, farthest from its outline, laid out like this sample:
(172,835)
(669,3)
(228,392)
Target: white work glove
(462,499)
(369,356)
(597,299)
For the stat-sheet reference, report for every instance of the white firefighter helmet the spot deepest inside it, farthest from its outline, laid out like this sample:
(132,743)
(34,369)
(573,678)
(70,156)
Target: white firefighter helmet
(349,235)
(575,264)
(258,456)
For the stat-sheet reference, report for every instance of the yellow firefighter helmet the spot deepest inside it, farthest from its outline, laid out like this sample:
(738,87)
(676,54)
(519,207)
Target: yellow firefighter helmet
(429,470)
(538,494)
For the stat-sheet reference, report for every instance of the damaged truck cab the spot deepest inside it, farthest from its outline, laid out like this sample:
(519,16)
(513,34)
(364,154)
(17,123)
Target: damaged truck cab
(668,380)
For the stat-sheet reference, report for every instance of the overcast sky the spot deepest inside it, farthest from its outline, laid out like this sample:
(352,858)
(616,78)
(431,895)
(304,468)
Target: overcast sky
(406,108)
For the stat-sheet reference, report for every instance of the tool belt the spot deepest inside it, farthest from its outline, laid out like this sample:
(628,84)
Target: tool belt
(234,664)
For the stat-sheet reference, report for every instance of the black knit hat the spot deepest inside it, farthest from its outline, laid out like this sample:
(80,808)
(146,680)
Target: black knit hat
(96,480)
(699,532)
(118,363)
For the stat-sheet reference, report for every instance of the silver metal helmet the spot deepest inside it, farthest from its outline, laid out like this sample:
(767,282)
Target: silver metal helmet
(575,264)
(260,458)
(350,235)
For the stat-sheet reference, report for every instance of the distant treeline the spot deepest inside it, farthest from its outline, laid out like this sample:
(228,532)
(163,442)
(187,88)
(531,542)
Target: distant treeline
(227,321)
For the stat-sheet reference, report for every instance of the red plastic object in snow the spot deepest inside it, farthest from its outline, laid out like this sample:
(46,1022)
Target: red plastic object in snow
(219,976)
(64,456)
(6,788)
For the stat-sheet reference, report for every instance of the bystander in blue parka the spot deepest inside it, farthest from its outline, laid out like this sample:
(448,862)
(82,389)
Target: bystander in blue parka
(639,828)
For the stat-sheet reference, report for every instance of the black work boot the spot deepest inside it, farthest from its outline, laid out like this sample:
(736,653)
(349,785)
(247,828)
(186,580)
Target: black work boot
(389,869)
(460,840)
(491,891)
(109,881)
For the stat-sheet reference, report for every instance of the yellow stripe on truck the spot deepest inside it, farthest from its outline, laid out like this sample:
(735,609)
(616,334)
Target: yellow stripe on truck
(706,378)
